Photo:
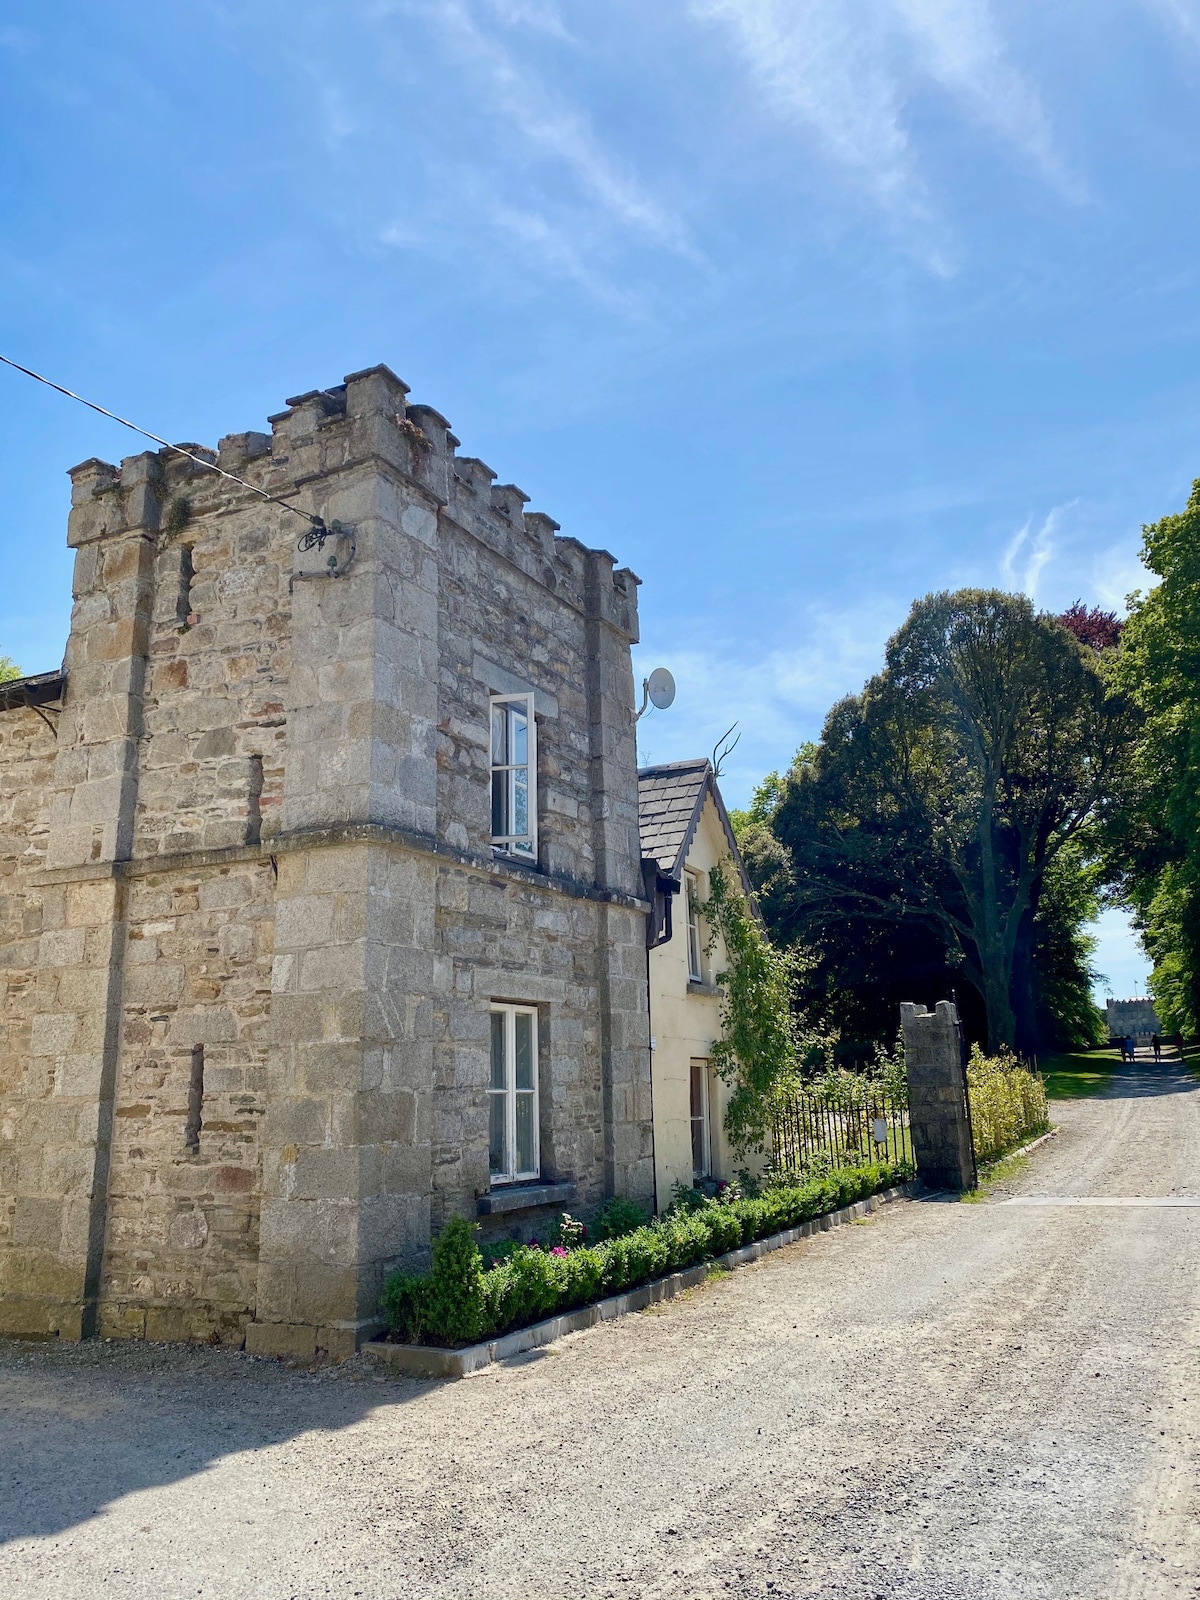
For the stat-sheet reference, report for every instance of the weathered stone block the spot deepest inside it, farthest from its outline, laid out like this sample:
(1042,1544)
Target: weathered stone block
(296,1340)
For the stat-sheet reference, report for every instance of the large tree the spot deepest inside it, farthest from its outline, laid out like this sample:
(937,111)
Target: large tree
(1155,841)
(8,670)
(934,808)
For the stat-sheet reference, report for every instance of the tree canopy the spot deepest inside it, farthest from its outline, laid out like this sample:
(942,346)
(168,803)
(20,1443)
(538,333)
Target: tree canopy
(930,817)
(8,670)
(1154,842)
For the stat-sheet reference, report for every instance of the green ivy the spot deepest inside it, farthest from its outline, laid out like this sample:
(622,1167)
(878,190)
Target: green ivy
(759,1048)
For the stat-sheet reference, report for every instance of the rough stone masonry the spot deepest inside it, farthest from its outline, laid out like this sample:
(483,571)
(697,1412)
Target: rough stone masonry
(251,918)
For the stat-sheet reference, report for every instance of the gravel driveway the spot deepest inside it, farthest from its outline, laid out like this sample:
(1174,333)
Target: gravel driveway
(945,1400)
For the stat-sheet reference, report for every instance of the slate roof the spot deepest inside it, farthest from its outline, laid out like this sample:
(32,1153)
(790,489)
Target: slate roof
(670,801)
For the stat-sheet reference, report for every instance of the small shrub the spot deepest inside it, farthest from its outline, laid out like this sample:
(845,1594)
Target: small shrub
(687,1239)
(617,1217)
(685,1197)
(498,1250)
(520,1290)
(724,1228)
(454,1308)
(402,1302)
(580,1277)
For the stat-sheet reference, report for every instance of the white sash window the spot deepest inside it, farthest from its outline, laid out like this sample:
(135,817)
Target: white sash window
(514,1142)
(514,777)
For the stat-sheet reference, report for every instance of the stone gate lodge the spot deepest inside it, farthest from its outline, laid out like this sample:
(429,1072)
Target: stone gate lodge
(321,905)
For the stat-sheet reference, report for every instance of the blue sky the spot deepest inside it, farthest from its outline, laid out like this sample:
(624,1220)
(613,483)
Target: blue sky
(801,307)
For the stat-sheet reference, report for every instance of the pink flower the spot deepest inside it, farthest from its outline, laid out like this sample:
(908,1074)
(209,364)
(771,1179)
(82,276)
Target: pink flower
(558,1251)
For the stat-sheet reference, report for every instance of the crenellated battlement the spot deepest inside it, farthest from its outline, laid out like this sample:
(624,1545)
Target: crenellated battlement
(325,431)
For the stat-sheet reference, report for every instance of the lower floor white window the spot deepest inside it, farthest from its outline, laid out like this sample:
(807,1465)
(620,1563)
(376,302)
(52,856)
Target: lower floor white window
(701,1139)
(513,1142)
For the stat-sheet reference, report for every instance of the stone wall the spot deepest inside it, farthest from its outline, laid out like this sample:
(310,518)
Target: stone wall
(33,1176)
(262,860)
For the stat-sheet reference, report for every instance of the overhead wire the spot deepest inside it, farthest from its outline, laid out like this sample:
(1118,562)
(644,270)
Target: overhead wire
(209,466)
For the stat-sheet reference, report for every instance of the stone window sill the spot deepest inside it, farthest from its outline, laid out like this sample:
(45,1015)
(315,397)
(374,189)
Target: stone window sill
(702,988)
(524,1197)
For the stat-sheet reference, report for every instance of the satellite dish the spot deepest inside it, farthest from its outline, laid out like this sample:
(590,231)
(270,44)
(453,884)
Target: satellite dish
(658,689)
(660,686)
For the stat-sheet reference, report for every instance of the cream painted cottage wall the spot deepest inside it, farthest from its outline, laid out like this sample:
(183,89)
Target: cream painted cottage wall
(685,1018)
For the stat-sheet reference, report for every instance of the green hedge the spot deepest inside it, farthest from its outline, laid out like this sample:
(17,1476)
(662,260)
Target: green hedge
(459,1302)
(1008,1103)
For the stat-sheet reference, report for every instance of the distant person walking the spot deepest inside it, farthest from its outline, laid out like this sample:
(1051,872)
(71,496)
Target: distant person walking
(1129,1048)
(1156,1046)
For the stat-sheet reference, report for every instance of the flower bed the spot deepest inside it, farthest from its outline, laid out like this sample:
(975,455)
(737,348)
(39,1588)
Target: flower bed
(460,1301)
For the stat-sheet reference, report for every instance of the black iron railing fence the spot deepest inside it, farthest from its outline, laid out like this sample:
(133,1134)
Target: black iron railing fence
(826,1126)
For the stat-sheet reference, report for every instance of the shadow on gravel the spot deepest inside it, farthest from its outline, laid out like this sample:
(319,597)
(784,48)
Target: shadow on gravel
(1148,1078)
(84,1425)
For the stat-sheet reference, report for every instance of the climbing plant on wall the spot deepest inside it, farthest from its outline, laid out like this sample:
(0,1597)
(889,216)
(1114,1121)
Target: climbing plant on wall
(758,1051)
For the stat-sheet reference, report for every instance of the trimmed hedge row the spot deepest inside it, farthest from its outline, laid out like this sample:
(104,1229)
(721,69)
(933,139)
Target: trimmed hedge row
(459,1302)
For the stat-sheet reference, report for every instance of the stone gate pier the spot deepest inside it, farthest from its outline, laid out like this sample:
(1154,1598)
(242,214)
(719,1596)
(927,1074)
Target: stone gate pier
(938,1108)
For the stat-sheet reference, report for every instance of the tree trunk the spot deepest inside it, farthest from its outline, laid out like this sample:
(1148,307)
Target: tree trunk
(997,998)
(1024,998)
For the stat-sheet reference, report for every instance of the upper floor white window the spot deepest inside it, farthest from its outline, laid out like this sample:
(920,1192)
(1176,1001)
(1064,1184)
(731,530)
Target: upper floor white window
(695,945)
(514,776)
(513,1141)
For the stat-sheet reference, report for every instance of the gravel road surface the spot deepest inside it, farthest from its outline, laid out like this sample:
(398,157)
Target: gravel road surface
(943,1401)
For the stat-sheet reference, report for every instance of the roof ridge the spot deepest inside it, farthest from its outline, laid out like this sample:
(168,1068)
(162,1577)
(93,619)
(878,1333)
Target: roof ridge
(693,764)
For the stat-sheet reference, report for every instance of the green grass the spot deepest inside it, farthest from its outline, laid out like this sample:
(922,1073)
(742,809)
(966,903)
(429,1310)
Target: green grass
(1077,1075)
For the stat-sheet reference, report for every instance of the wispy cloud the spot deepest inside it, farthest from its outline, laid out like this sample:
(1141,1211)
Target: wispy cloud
(559,249)
(541,15)
(959,48)
(557,131)
(1030,551)
(846,72)
(1183,15)
(818,64)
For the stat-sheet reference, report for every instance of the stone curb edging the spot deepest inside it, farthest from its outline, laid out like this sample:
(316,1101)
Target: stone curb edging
(428,1361)
(1050,1133)
(1023,1150)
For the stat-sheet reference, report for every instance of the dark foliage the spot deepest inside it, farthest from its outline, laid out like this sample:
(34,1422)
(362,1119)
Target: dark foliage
(1099,630)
